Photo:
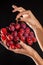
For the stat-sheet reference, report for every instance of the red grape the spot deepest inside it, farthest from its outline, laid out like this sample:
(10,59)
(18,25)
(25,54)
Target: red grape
(23,25)
(3,31)
(18,45)
(34,39)
(19,34)
(11,28)
(3,37)
(16,38)
(22,38)
(12,46)
(22,31)
(26,34)
(12,24)
(27,30)
(29,40)
(31,34)
(10,37)
(15,32)
(17,26)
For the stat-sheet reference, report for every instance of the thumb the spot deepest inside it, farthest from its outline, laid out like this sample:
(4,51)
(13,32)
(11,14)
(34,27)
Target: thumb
(23,44)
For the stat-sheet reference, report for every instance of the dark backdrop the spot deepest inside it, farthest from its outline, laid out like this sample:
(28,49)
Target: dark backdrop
(6,17)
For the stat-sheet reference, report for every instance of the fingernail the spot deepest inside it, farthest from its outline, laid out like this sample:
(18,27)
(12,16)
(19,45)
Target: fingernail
(12,5)
(21,16)
(18,40)
(18,19)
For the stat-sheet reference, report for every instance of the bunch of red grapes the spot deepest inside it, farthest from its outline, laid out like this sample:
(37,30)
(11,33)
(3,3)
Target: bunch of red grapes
(16,32)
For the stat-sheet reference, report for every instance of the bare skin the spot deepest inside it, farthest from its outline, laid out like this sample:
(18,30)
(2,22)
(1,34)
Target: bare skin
(30,20)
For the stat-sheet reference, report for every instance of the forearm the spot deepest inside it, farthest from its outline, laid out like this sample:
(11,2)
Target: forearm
(36,57)
(39,36)
(38,30)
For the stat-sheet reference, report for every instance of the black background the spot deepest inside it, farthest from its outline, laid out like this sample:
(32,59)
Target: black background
(6,17)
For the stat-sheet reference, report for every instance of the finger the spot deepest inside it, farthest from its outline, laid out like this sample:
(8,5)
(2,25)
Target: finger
(20,9)
(23,44)
(29,13)
(19,51)
(4,45)
(27,21)
(13,6)
(24,14)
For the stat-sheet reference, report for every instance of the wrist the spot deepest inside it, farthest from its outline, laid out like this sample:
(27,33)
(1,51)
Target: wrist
(37,58)
(31,52)
(37,28)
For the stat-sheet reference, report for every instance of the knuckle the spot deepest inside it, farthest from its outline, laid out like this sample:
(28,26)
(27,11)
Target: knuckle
(29,11)
(20,7)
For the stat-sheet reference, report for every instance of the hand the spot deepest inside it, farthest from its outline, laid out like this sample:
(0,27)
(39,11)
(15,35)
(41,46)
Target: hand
(25,50)
(27,16)
(30,19)
(28,51)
